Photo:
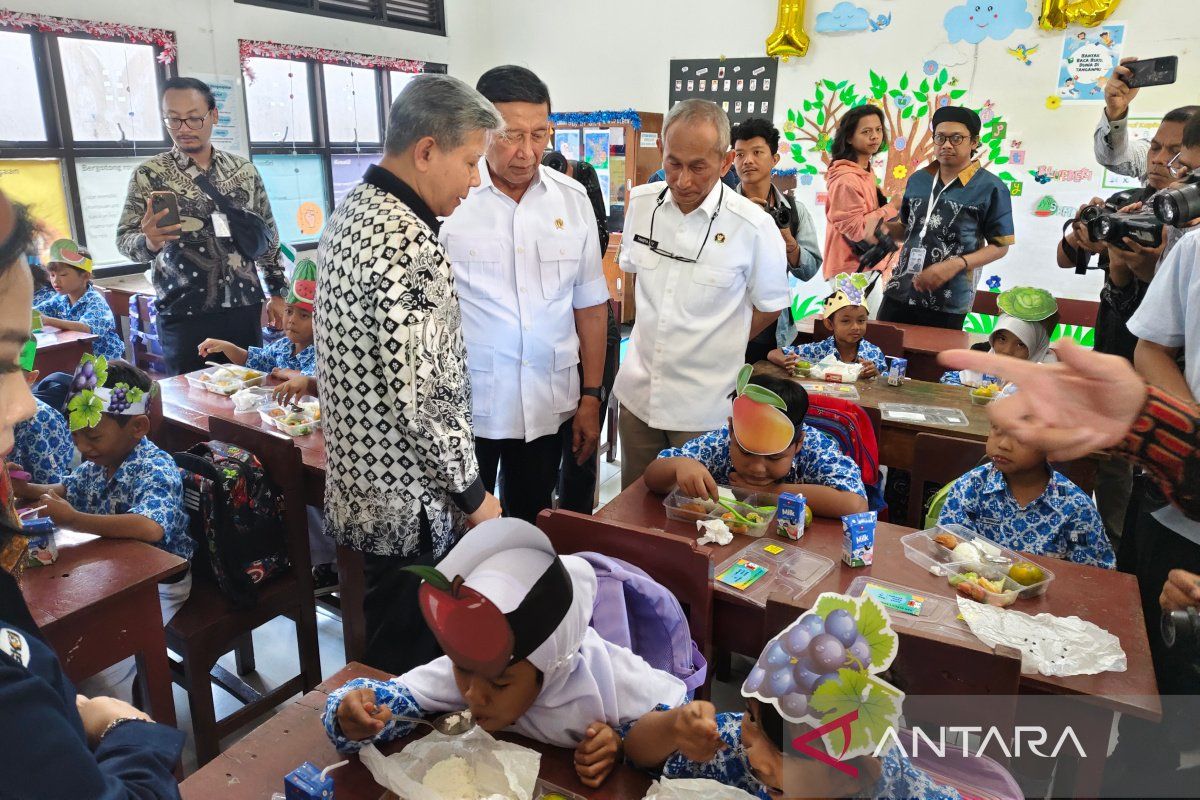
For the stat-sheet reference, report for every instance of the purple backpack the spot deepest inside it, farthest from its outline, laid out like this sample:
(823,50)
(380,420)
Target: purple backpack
(635,611)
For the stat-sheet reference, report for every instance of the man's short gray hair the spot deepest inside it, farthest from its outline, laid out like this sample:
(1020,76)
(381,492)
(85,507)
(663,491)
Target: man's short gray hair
(697,110)
(439,106)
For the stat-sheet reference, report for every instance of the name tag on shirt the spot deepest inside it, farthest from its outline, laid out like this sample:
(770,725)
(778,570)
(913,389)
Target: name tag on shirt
(916,260)
(220,225)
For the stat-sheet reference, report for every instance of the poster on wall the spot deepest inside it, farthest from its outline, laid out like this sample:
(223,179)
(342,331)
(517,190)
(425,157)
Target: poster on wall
(744,87)
(38,183)
(595,148)
(566,142)
(229,133)
(296,187)
(103,184)
(1089,56)
(348,172)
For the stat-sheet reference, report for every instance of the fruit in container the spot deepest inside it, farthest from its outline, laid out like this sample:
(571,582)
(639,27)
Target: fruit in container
(1026,574)
(988,390)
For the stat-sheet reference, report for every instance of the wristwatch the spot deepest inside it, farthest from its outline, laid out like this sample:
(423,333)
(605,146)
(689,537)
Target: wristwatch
(598,392)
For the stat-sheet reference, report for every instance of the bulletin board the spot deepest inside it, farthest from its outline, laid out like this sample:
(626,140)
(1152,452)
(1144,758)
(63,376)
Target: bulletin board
(744,87)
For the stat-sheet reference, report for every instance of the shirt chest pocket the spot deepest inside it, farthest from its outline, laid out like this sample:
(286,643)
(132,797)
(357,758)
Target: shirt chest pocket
(558,257)
(477,266)
(708,288)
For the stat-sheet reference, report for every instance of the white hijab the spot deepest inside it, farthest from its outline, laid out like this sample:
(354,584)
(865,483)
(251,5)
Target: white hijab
(585,679)
(1033,335)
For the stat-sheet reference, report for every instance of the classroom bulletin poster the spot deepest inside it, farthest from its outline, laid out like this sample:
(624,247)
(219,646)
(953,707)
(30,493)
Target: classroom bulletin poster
(566,141)
(595,148)
(1089,56)
(38,183)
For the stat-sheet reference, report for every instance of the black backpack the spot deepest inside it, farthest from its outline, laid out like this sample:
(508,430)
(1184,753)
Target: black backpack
(235,516)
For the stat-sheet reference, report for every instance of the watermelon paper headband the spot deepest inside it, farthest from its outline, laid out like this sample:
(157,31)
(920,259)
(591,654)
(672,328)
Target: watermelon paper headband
(1027,303)
(848,290)
(303,291)
(822,671)
(475,634)
(90,398)
(760,423)
(65,251)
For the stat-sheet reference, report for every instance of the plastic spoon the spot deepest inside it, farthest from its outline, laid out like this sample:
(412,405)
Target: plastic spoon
(456,723)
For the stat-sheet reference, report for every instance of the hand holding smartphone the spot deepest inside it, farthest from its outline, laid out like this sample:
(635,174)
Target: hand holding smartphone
(168,201)
(1152,72)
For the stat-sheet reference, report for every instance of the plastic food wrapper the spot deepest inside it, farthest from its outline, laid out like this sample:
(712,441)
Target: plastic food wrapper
(715,532)
(830,369)
(694,789)
(1053,646)
(250,398)
(503,770)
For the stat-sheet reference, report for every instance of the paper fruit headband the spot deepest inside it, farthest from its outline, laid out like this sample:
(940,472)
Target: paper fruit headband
(1027,304)
(822,671)
(65,251)
(760,423)
(848,290)
(475,634)
(303,291)
(90,398)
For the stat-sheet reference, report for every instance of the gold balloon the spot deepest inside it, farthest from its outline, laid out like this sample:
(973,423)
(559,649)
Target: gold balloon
(1058,14)
(788,38)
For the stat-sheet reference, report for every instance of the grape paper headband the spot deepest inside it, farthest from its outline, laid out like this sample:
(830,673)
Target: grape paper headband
(760,422)
(90,398)
(848,290)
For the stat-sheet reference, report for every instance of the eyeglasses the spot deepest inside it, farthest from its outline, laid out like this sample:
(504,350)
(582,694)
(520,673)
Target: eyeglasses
(177,123)
(1177,170)
(955,138)
(515,138)
(652,243)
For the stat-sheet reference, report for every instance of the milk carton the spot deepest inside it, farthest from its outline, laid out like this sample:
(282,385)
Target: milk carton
(43,550)
(790,515)
(896,368)
(858,539)
(306,782)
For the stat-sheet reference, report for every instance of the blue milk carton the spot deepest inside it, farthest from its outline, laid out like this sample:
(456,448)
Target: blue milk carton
(306,782)
(790,515)
(858,539)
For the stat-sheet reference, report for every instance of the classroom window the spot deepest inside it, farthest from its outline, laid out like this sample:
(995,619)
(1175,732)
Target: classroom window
(426,16)
(296,187)
(352,104)
(20,90)
(278,101)
(113,90)
(399,80)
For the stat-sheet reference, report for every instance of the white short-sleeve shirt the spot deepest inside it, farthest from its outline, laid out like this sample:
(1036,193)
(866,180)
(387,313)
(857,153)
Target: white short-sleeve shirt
(521,270)
(693,320)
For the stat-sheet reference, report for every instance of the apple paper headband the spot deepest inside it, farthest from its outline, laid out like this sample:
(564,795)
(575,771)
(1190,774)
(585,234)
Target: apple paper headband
(65,251)
(823,667)
(848,290)
(760,423)
(90,398)
(475,634)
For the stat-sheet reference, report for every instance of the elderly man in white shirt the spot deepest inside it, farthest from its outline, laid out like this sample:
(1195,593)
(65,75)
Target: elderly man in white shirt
(711,274)
(528,270)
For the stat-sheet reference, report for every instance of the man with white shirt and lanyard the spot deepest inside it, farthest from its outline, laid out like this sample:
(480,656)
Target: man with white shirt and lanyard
(527,266)
(711,274)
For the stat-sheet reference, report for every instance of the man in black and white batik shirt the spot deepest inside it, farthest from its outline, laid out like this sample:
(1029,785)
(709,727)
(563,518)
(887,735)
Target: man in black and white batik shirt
(401,474)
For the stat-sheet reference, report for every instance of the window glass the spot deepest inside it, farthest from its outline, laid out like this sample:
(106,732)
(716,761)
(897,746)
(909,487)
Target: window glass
(19,90)
(296,188)
(277,101)
(399,80)
(351,103)
(348,171)
(113,94)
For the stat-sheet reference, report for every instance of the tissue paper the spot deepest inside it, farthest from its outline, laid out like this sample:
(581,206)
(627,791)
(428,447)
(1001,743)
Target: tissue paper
(715,532)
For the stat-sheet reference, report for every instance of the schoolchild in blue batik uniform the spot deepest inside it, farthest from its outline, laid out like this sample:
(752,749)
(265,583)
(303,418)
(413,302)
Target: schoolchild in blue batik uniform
(79,306)
(845,315)
(42,444)
(1028,317)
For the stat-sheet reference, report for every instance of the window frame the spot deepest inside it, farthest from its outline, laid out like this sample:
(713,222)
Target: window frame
(378,18)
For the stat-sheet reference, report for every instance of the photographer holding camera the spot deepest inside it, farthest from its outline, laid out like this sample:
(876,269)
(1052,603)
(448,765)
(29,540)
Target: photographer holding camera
(755,154)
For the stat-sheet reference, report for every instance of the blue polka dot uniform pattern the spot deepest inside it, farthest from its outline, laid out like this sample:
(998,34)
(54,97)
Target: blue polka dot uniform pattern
(147,483)
(389,694)
(1063,522)
(820,461)
(92,310)
(815,351)
(280,354)
(43,445)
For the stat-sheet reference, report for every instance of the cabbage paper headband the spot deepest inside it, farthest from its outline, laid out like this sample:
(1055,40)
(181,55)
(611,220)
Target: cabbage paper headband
(760,423)
(1027,303)
(90,398)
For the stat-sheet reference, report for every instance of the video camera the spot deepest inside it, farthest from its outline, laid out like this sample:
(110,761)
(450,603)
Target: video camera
(1181,627)
(1111,205)
(1112,227)
(1178,205)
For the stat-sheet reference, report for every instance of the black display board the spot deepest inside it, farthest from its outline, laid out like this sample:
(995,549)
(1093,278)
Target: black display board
(744,87)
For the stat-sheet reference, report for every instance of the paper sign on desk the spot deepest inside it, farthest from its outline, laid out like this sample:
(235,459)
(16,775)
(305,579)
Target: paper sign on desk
(934,415)
(742,575)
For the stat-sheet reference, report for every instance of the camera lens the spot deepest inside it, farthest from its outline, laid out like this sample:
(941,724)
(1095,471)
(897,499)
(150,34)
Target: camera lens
(1166,209)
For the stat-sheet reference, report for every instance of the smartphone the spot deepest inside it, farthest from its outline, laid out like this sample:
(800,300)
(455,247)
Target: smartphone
(1152,72)
(169,201)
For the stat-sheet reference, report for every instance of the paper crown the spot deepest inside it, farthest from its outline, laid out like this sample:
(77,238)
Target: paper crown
(824,666)
(28,355)
(848,290)
(760,422)
(89,398)
(303,291)
(1027,303)
(65,251)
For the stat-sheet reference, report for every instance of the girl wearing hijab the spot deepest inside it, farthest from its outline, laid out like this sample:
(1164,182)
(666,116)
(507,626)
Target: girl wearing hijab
(1027,319)
(512,618)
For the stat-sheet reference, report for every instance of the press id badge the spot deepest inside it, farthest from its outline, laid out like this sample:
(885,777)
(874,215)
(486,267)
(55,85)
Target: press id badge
(221,225)
(916,260)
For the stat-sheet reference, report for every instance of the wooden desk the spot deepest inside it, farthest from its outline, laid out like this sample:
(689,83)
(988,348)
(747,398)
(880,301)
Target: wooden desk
(118,292)
(921,345)
(98,605)
(60,351)
(254,767)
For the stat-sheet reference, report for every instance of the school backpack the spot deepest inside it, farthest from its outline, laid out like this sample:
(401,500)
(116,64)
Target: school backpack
(235,516)
(848,425)
(635,611)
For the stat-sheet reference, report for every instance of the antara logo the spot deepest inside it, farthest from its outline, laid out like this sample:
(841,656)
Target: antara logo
(801,743)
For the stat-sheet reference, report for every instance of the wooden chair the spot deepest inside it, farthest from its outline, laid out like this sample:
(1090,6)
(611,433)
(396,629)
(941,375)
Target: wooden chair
(887,338)
(671,560)
(208,626)
(145,352)
(938,460)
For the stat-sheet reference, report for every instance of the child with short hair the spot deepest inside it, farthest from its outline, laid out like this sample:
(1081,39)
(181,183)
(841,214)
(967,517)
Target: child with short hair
(43,447)
(1020,502)
(1028,317)
(43,289)
(292,358)
(78,305)
(845,316)
(520,656)
(765,447)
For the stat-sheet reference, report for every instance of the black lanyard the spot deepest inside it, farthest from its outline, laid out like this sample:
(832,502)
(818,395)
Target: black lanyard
(652,243)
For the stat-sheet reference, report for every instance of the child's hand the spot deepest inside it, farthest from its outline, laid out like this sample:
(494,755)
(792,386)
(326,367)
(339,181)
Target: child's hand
(779,358)
(59,510)
(597,754)
(210,346)
(869,370)
(696,735)
(282,374)
(695,480)
(360,717)
(289,390)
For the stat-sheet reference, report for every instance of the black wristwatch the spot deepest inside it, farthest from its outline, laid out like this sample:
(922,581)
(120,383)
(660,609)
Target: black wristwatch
(598,392)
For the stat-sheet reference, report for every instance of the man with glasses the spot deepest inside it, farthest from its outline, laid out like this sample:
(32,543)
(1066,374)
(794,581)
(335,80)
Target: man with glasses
(527,266)
(203,284)
(711,274)
(956,218)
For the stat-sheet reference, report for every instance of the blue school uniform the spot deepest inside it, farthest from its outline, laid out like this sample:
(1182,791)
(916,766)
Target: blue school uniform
(147,483)
(819,462)
(395,696)
(1063,522)
(46,752)
(952,378)
(93,311)
(43,445)
(279,355)
(730,766)
(43,295)
(815,351)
